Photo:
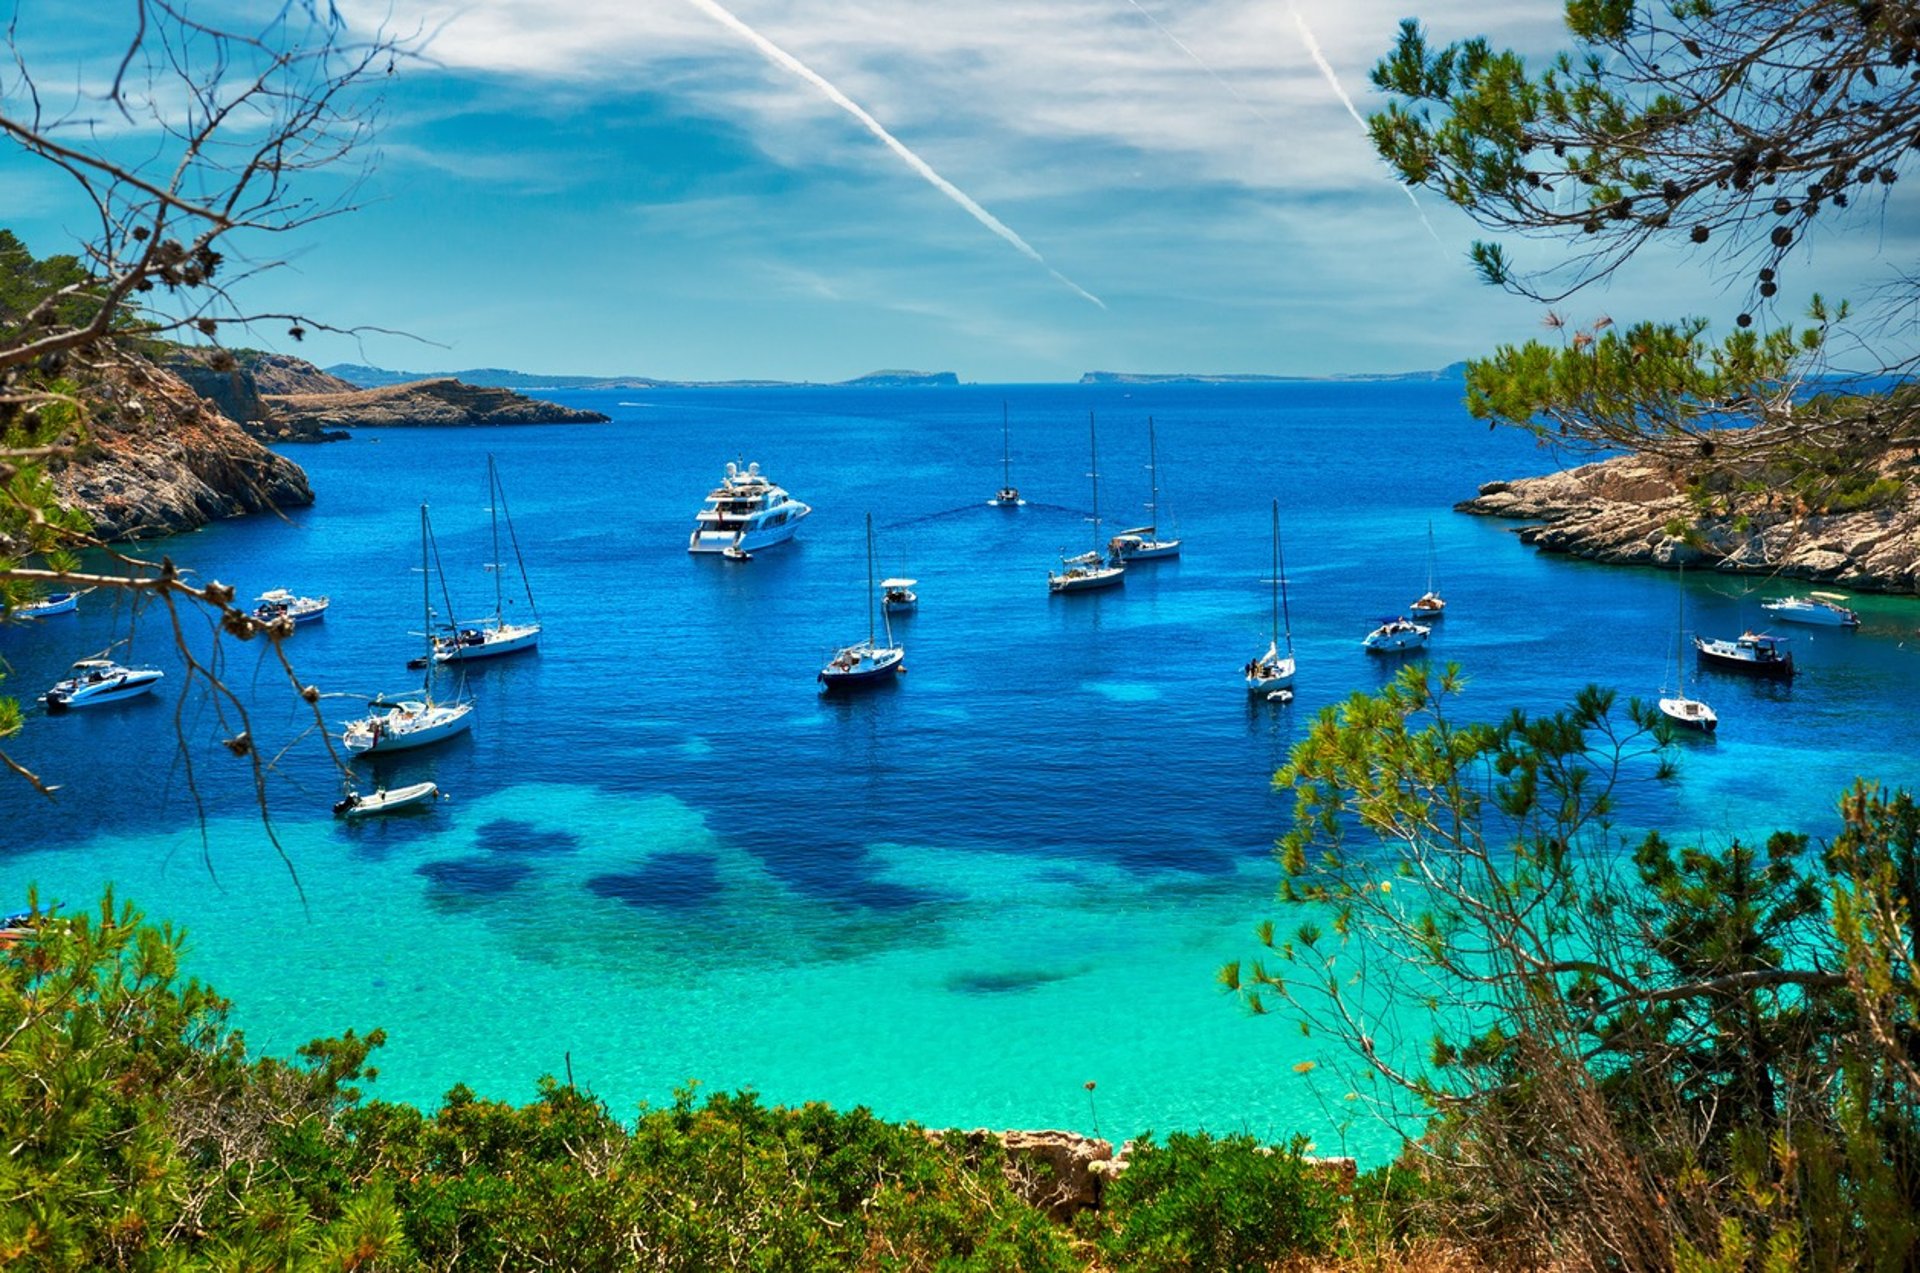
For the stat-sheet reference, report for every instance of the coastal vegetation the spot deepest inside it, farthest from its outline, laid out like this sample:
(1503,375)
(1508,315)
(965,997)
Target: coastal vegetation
(1736,131)
(1641,1053)
(138,1131)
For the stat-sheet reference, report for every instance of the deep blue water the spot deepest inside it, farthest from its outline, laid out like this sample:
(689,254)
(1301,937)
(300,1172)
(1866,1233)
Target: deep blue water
(956,899)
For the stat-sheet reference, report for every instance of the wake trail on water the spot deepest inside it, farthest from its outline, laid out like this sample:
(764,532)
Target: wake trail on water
(787,61)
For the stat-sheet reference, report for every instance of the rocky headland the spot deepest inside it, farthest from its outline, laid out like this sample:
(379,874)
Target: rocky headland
(1636,510)
(158,459)
(505,378)
(424,403)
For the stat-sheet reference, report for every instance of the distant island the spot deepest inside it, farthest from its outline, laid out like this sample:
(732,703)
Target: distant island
(366,377)
(1452,371)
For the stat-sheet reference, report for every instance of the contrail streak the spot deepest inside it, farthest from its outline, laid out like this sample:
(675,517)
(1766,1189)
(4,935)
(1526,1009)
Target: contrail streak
(1218,79)
(781,58)
(1326,69)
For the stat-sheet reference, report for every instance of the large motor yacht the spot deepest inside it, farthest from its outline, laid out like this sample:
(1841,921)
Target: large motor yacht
(747,512)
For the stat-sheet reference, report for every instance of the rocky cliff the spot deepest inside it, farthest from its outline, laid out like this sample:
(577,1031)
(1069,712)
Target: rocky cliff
(158,459)
(1627,510)
(424,402)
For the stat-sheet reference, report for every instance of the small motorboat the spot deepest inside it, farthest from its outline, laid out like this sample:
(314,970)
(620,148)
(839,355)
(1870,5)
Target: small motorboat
(1280,696)
(1822,608)
(898,594)
(1395,635)
(47,607)
(100,681)
(279,603)
(734,552)
(386,800)
(1754,654)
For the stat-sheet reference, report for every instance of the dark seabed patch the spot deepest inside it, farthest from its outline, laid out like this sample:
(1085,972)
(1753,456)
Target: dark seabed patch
(524,839)
(474,878)
(1007,980)
(668,882)
(374,839)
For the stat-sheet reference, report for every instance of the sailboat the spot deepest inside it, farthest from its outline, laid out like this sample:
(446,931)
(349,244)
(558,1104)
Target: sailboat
(1273,671)
(493,636)
(1143,543)
(1090,570)
(1689,713)
(868,663)
(405,723)
(1007,497)
(1430,606)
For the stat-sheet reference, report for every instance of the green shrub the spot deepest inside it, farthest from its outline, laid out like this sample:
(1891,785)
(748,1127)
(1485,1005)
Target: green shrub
(1201,1203)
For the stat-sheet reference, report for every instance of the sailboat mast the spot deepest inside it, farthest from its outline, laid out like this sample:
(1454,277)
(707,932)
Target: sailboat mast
(1680,633)
(426,594)
(1429,555)
(870,582)
(1153,481)
(1280,573)
(1093,459)
(493,506)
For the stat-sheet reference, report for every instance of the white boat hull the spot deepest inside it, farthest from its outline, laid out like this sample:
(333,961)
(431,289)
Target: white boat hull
(405,728)
(115,689)
(1689,713)
(1088,580)
(718,541)
(1818,616)
(1396,641)
(1276,677)
(509,638)
(1145,549)
(390,801)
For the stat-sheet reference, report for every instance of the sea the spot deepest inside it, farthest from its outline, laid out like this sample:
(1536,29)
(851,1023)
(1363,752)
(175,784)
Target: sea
(997,893)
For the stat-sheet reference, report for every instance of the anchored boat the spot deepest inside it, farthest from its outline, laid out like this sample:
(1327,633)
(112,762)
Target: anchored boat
(869,662)
(496,634)
(746,511)
(1273,672)
(1754,654)
(1088,571)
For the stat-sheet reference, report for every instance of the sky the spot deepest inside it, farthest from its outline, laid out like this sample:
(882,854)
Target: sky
(1011,190)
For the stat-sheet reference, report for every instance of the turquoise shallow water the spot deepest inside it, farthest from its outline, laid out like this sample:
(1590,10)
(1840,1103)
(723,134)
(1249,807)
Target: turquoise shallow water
(958,900)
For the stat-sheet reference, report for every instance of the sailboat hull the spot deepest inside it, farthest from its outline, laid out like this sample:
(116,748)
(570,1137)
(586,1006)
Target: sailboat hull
(867,670)
(1089,581)
(492,642)
(404,729)
(1689,713)
(1129,549)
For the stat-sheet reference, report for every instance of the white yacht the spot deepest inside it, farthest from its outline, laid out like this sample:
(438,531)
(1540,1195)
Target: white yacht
(496,634)
(1087,571)
(1272,672)
(1688,713)
(98,681)
(746,511)
(1143,543)
(398,725)
(1394,635)
(278,603)
(1431,604)
(1823,608)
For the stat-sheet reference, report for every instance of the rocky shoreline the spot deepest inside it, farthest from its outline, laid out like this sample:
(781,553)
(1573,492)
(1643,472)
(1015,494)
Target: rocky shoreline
(1635,510)
(423,403)
(158,460)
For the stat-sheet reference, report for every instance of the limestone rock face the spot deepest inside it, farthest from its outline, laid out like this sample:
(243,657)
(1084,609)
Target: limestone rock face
(422,402)
(1062,1172)
(1620,510)
(236,392)
(159,460)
